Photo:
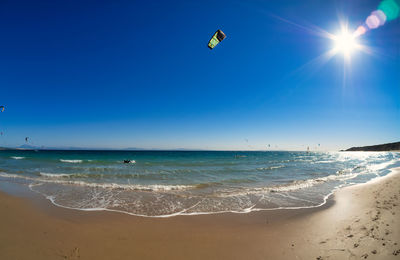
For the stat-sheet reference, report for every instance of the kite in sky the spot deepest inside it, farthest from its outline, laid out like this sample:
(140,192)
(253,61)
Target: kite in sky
(218,37)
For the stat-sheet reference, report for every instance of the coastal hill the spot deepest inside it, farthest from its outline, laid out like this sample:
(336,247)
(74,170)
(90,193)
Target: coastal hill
(377,148)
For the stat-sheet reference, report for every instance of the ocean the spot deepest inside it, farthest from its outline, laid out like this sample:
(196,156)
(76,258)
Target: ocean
(170,183)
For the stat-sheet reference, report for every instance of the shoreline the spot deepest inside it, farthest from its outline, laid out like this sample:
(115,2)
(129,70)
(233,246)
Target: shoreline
(326,200)
(85,184)
(37,229)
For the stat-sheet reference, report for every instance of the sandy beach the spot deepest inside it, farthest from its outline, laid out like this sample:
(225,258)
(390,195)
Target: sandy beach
(358,222)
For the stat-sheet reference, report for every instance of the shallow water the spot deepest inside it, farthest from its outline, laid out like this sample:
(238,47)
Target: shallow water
(166,183)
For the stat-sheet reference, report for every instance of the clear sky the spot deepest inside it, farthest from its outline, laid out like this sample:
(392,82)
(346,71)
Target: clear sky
(118,74)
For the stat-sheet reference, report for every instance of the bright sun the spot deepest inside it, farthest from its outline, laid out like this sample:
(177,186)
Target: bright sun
(345,42)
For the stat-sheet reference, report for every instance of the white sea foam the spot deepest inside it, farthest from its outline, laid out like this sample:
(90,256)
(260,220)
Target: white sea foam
(182,212)
(270,168)
(133,187)
(187,211)
(342,175)
(301,184)
(9,175)
(54,175)
(70,161)
(17,157)
(380,166)
(327,161)
(293,186)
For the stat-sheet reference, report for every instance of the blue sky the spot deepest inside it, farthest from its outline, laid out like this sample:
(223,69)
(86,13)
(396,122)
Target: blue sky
(118,74)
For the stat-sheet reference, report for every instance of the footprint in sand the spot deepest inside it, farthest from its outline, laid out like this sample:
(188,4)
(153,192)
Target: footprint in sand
(73,255)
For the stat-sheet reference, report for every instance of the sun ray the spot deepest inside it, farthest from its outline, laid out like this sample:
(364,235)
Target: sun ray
(311,28)
(346,42)
(315,64)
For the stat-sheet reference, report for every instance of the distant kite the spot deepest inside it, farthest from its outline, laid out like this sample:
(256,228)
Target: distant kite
(2,108)
(26,139)
(217,38)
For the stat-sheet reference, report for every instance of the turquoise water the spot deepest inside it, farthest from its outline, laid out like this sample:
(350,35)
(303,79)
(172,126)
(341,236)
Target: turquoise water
(167,183)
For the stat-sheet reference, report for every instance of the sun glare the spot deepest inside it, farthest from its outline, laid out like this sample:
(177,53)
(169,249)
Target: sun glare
(345,42)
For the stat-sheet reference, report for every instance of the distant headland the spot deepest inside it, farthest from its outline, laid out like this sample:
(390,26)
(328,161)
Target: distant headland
(377,148)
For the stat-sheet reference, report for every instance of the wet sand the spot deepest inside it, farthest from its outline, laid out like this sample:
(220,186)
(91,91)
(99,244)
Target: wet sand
(357,222)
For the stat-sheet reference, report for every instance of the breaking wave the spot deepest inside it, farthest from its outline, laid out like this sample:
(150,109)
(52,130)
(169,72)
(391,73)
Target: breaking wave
(71,161)
(270,168)
(55,175)
(133,187)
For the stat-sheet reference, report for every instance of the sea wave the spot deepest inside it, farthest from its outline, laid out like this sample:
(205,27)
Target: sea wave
(71,161)
(326,161)
(55,175)
(94,174)
(301,184)
(270,168)
(88,175)
(295,185)
(342,175)
(116,186)
(291,186)
(17,157)
(380,166)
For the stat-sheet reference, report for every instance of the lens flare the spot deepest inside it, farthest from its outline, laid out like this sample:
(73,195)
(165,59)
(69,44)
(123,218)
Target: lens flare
(381,16)
(372,22)
(390,8)
(360,31)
